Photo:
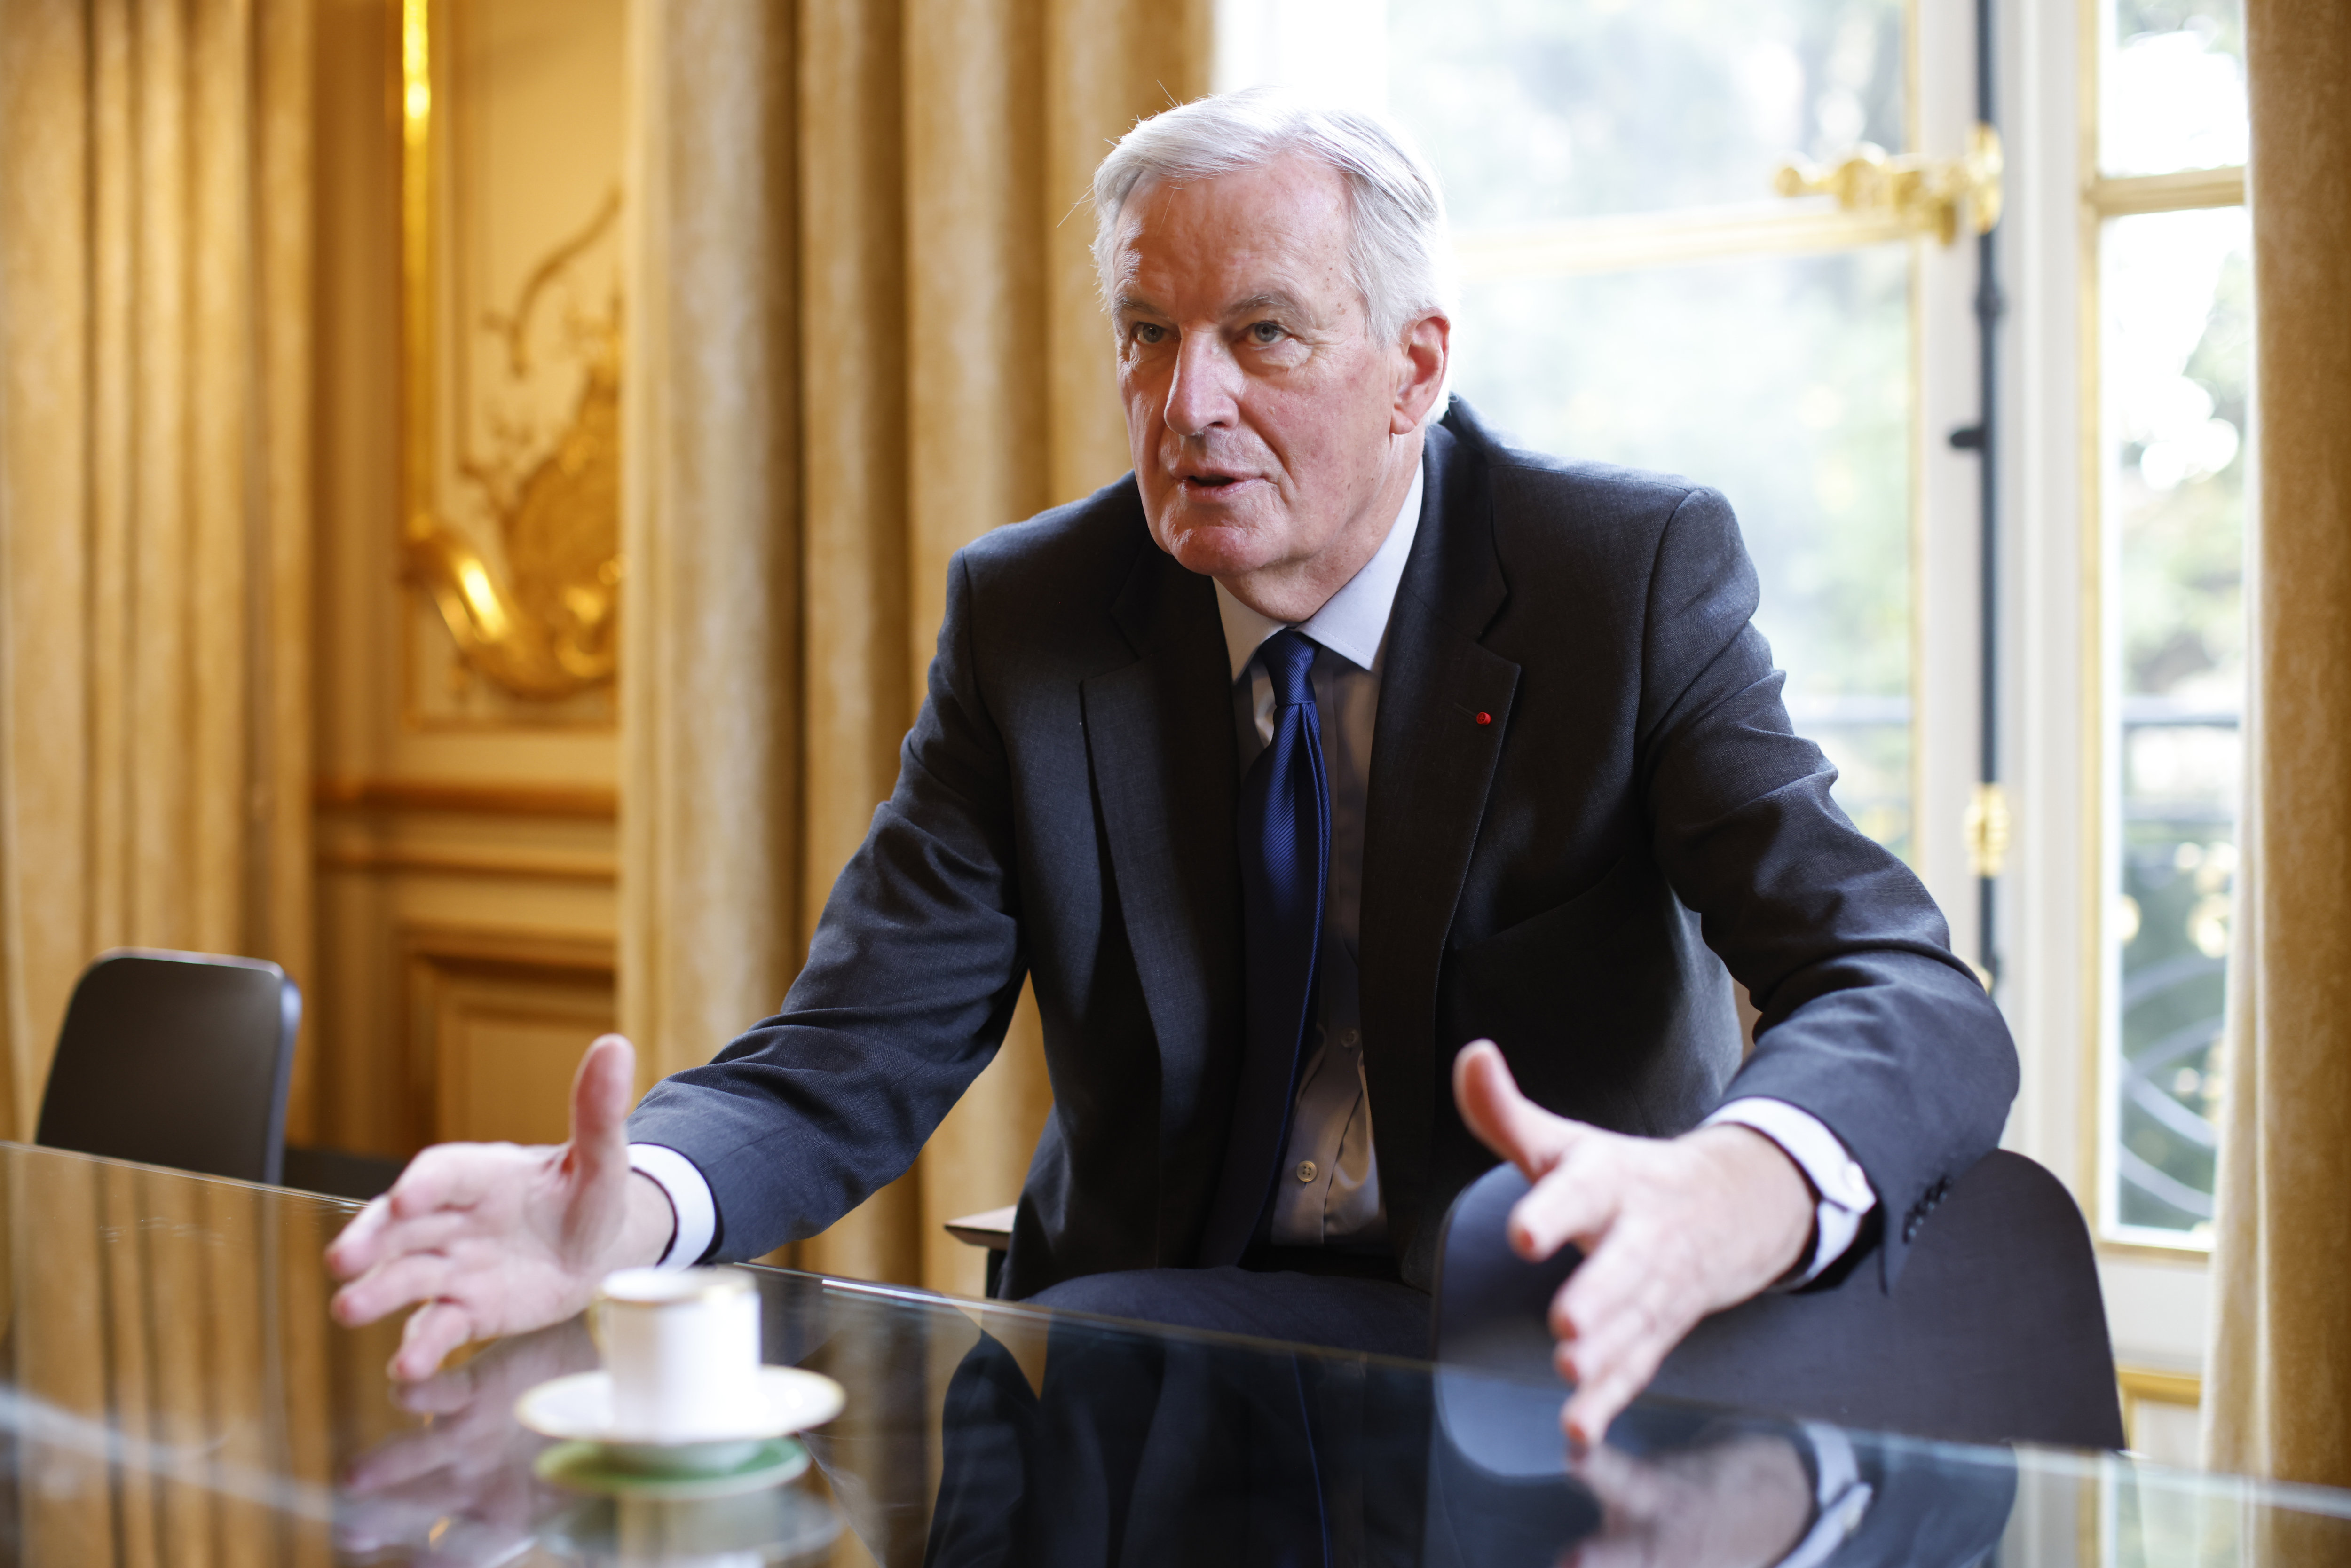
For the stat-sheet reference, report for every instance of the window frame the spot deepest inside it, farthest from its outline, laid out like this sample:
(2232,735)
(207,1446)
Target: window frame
(2102,198)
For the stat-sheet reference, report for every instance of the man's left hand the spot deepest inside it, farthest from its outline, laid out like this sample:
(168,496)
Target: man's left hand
(1671,1230)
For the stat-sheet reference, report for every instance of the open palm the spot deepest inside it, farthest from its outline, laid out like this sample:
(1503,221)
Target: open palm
(1671,1228)
(495,1239)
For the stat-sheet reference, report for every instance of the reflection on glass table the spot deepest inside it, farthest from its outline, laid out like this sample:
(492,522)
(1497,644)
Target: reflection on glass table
(174,1393)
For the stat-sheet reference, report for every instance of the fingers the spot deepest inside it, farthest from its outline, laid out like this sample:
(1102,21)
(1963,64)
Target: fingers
(1612,1360)
(432,1332)
(356,1249)
(412,1455)
(1667,1232)
(453,1175)
(390,1286)
(437,1231)
(1599,1400)
(447,1177)
(1576,1200)
(1616,1478)
(449,1393)
(1504,1120)
(602,1092)
(389,1262)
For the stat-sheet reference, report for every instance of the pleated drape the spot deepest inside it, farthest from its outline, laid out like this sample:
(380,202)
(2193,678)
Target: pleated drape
(154,494)
(710,657)
(2277,1400)
(912,175)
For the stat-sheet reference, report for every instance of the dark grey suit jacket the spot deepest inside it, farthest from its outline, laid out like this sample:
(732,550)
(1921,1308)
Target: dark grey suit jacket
(1561,877)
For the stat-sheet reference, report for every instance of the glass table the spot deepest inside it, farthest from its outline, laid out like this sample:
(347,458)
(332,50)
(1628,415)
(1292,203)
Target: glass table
(174,1393)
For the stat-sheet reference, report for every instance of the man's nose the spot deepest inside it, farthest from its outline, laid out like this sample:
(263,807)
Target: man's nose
(1206,390)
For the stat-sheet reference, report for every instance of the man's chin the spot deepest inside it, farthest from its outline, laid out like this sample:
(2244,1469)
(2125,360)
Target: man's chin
(1216,548)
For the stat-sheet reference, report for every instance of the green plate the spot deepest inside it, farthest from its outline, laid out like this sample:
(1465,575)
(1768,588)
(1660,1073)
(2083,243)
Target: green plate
(588,1466)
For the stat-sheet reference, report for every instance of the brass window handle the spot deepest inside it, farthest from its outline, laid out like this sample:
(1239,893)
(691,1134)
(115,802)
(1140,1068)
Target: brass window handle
(1987,826)
(1924,194)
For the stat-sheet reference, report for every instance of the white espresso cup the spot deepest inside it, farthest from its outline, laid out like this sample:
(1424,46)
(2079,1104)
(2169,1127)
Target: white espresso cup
(682,1349)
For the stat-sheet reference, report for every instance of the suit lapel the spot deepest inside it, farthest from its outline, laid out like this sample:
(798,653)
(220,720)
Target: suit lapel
(1160,743)
(1432,764)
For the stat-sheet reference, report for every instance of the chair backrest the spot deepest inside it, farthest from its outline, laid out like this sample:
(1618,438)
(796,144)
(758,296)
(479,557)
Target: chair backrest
(1996,1331)
(176,1059)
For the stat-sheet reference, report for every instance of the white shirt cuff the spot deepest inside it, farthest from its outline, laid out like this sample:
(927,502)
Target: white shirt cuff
(689,1201)
(1842,1498)
(1845,1196)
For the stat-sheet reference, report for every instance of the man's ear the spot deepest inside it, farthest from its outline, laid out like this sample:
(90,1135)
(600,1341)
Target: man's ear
(1426,352)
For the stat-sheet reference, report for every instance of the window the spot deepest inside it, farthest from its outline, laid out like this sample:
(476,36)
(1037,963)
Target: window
(1634,293)
(2169,390)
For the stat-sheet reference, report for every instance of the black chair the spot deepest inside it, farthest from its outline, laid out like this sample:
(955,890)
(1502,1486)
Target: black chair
(339,1173)
(1996,1331)
(176,1059)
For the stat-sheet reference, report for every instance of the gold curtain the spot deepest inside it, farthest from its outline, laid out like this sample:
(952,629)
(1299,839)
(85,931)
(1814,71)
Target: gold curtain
(154,494)
(867,310)
(2278,1396)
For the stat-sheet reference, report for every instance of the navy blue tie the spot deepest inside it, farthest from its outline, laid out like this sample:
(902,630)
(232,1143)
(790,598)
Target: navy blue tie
(1285,848)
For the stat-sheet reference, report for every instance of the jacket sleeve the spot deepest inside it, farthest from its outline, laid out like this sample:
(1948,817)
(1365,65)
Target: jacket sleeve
(910,984)
(1868,1021)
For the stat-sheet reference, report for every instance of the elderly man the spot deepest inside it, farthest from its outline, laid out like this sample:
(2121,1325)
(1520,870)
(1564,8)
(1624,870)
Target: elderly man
(1335,737)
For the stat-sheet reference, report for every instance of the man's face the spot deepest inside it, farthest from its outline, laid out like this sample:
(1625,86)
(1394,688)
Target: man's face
(1264,420)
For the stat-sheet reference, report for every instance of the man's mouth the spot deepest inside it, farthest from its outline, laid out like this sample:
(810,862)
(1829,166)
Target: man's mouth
(1209,482)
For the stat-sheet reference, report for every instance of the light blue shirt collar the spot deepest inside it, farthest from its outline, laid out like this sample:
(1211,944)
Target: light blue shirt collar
(1355,621)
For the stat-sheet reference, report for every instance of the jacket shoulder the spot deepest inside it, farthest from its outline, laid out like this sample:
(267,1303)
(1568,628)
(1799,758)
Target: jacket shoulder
(1581,485)
(1064,548)
(1575,513)
(1563,489)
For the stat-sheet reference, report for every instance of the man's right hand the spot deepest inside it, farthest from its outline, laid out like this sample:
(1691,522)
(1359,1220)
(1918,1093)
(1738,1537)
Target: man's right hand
(495,1239)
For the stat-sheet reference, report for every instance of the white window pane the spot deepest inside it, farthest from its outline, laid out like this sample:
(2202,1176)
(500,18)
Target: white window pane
(1783,382)
(1537,111)
(2177,298)
(1331,51)
(2172,86)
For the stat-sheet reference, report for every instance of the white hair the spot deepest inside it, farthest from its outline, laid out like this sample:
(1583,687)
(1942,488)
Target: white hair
(1397,248)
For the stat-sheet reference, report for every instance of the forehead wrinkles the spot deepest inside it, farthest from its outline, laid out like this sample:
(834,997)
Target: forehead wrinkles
(1276,230)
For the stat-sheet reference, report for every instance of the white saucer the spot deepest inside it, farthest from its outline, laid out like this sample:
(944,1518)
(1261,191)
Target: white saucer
(595,1467)
(579,1408)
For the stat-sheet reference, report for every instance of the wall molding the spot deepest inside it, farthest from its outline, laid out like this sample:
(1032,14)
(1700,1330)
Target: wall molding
(505,946)
(599,869)
(589,802)
(454,978)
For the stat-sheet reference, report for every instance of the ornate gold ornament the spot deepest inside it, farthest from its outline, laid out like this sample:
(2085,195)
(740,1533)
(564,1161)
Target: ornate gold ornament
(1925,194)
(543,623)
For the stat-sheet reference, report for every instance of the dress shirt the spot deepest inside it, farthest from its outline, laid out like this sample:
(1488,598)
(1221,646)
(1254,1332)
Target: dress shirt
(1328,1191)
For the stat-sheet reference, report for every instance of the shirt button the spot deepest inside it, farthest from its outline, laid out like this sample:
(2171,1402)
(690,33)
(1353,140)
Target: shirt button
(1306,1170)
(1350,1039)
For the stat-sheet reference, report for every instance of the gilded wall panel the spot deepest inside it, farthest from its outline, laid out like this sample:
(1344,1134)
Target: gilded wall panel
(448,800)
(512,208)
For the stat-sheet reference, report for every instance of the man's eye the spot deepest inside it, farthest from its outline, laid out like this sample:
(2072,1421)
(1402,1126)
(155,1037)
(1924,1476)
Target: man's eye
(1264,332)
(1149,332)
